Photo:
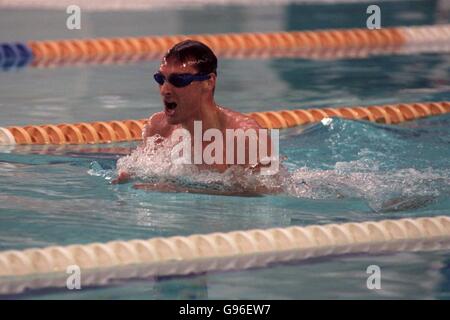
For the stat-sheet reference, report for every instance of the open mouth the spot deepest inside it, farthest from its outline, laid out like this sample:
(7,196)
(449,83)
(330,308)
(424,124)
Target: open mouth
(170,108)
(170,105)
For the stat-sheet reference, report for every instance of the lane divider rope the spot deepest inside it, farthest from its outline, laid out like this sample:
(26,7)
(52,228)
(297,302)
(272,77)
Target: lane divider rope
(131,130)
(218,251)
(337,43)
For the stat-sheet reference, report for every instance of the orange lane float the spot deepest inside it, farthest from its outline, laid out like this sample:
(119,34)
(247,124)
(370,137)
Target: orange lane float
(326,44)
(130,130)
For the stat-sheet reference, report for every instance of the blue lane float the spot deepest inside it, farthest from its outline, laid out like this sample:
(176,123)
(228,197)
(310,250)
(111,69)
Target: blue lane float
(14,55)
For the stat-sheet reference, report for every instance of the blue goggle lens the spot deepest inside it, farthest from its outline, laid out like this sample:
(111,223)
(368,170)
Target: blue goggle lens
(180,80)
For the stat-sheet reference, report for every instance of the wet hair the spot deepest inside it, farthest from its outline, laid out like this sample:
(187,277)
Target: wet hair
(200,55)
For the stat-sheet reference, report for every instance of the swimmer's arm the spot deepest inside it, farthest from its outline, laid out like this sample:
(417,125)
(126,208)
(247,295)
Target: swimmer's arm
(150,129)
(256,190)
(124,176)
(258,186)
(170,187)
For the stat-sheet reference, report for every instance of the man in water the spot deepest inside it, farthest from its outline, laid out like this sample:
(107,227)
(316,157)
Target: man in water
(187,80)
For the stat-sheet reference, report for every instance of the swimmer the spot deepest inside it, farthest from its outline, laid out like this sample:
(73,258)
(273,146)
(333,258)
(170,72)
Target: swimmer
(187,80)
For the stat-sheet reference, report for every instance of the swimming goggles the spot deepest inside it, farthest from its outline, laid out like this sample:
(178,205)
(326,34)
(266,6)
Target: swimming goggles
(180,80)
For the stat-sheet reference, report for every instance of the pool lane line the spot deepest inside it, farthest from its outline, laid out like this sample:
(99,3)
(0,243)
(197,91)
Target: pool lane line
(234,45)
(388,114)
(101,263)
(131,130)
(318,44)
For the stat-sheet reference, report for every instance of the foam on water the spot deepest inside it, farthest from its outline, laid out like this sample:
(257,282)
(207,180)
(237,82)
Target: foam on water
(377,170)
(391,167)
(153,163)
(383,190)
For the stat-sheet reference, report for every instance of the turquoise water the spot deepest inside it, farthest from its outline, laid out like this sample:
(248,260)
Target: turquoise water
(61,195)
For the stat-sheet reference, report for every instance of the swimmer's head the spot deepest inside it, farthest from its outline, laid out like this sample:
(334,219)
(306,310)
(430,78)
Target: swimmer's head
(193,53)
(187,79)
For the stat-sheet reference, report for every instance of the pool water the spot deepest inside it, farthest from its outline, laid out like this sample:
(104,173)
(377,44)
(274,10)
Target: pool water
(61,195)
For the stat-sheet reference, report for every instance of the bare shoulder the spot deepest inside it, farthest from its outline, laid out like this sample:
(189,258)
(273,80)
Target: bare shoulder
(157,119)
(156,124)
(236,120)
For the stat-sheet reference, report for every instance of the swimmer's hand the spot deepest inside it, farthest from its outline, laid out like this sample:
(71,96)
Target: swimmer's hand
(122,178)
(171,187)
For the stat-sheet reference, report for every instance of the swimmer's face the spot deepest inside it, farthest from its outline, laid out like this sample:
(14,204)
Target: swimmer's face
(182,104)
